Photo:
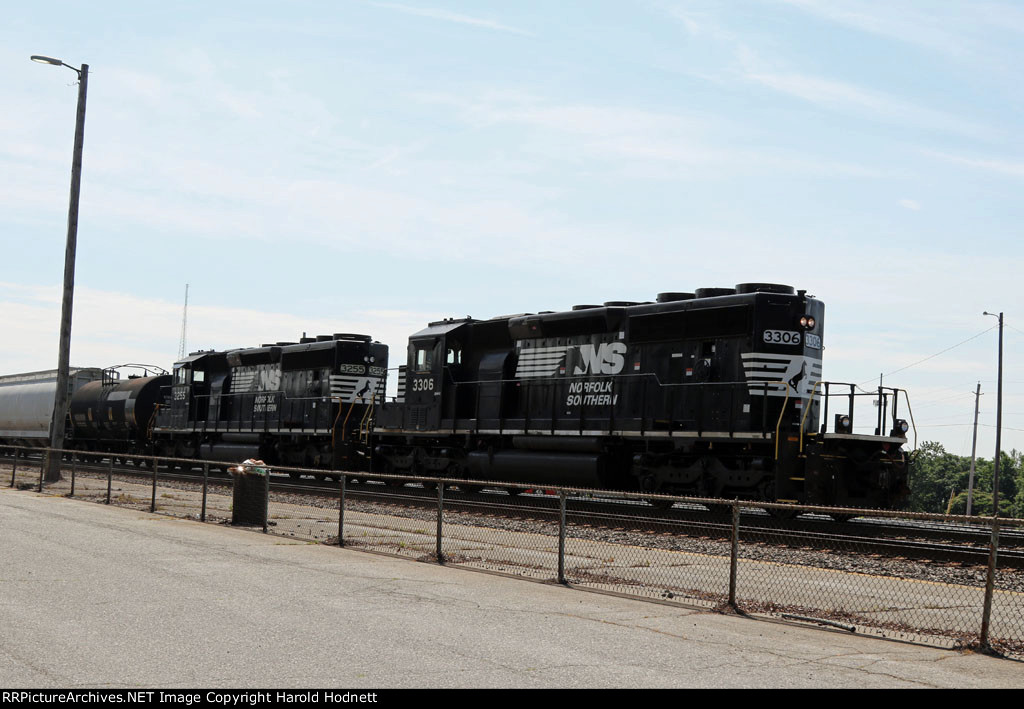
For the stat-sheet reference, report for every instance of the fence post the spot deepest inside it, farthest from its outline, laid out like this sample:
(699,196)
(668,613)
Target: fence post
(266,500)
(43,463)
(990,579)
(14,467)
(74,466)
(735,553)
(440,522)
(341,511)
(152,502)
(206,477)
(110,477)
(561,536)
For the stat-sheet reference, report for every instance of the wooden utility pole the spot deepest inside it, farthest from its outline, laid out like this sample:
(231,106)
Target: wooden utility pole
(974,448)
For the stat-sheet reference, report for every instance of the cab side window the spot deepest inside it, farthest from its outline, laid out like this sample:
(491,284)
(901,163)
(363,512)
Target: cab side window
(424,359)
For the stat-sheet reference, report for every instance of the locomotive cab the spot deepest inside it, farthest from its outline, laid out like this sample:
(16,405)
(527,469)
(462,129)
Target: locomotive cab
(433,371)
(188,399)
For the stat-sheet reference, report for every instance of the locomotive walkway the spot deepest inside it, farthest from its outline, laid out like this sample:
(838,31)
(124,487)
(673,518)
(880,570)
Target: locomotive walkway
(96,596)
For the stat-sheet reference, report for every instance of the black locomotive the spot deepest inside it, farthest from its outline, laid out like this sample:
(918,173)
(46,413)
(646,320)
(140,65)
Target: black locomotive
(307,403)
(715,393)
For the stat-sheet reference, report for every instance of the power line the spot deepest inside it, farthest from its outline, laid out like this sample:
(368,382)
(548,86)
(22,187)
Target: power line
(963,342)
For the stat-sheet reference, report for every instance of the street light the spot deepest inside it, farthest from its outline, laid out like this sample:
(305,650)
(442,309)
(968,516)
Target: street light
(999,418)
(993,551)
(60,400)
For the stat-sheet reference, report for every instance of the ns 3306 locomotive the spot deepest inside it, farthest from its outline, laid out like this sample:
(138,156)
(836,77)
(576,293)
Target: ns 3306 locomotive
(716,393)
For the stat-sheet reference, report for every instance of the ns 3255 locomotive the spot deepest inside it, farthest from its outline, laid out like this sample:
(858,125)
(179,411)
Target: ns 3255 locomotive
(308,403)
(716,393)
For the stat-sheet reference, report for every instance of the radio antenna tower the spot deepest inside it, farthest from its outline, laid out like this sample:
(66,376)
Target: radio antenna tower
(184,326)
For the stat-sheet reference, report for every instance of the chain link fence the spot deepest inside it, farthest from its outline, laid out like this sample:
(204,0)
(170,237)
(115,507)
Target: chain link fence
(917,577)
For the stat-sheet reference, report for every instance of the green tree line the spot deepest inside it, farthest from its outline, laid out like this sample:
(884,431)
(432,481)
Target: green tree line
(937,475)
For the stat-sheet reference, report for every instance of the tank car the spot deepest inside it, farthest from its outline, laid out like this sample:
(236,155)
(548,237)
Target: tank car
(306,403)
(117,415)
(26,404)
(715,393)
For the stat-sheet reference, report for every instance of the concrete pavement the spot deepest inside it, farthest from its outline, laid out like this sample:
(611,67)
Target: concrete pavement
(96,596)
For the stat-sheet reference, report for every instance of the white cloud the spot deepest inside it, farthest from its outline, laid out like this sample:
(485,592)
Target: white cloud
(448,16)
(643,144)
(1003,167)
(956,28)
(147,330)
(845,97)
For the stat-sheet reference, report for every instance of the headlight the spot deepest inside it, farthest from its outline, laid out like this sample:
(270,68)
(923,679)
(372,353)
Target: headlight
(900,428)
(807,321)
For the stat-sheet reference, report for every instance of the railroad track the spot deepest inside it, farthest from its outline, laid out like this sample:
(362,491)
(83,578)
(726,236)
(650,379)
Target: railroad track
(923,541)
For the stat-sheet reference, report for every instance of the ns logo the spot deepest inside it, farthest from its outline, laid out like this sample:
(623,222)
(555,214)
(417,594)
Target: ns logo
(269,379)
(605,358)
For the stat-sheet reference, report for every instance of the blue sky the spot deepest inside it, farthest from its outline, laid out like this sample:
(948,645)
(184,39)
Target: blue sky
(370,166)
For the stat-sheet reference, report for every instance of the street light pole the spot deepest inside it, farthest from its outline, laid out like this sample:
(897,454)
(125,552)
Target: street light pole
(60,399)
(999,419)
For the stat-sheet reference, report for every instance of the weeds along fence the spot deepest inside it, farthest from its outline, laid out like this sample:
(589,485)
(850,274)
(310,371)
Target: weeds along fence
(886,574)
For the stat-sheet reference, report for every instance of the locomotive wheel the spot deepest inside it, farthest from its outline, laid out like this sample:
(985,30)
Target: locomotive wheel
(514,491)
(842,518)
(319,477)
(470,489)
(295,476)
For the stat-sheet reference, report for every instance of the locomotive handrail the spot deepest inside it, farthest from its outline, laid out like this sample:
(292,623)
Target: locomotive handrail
(807,410)
(529,382)
(344,426)
(778,424)
(910,411)
(883,394)
(367,416)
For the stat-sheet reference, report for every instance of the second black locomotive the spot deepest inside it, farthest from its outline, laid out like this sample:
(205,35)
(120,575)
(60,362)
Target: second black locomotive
(715,393)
